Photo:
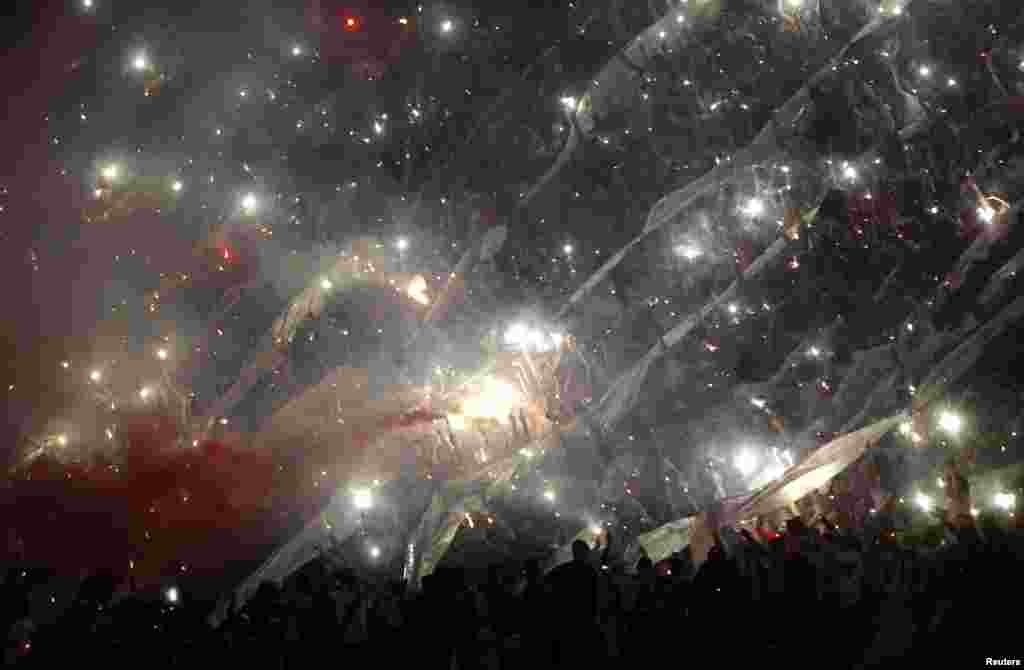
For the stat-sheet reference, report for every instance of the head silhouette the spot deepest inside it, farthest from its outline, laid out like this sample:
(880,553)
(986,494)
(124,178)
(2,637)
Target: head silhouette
(580,551)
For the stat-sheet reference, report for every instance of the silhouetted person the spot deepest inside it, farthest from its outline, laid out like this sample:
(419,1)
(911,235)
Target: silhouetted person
(574,602)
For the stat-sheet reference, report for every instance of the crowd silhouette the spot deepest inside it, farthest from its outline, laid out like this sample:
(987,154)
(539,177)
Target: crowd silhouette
(805,598)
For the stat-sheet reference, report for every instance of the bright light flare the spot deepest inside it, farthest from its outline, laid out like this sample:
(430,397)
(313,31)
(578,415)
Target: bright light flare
(402,243)
(447,26)
(87,4)
(924,71)
(745,461)
(567,249)
(96,376)
(986,214)
(111,172)
(250,203)
(549,495)
(1005,500)
(557,338)
(849,172)
(754,207)
(517,334)
(145,392)
(62,440)
(569,103)
(375,552)
(172,595)
(496,400)
(924,502)
(161,354)
(140,62)
(417,290)
(326,284)
(362,499)
(296,51)
(951,423)
(814,352)
(905,428)
(457,421)
(177,186)
(688,251)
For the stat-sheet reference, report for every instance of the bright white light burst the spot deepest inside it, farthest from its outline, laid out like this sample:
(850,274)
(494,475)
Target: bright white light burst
(567,249)
(402,244)
(745,461)
(362,499)
(110,172)
(923,501)
(1005,500)
(951,423)
(569,103)
(755,207)
(161,354)
(447,26)
(177,186)
(249,203)
(326,284)
(140,63)
(495,400)
(688,252)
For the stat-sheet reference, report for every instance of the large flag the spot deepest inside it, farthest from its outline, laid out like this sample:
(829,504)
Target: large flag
(814,472)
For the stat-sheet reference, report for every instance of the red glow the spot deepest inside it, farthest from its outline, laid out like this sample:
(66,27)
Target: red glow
(227,254)
(352,24)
